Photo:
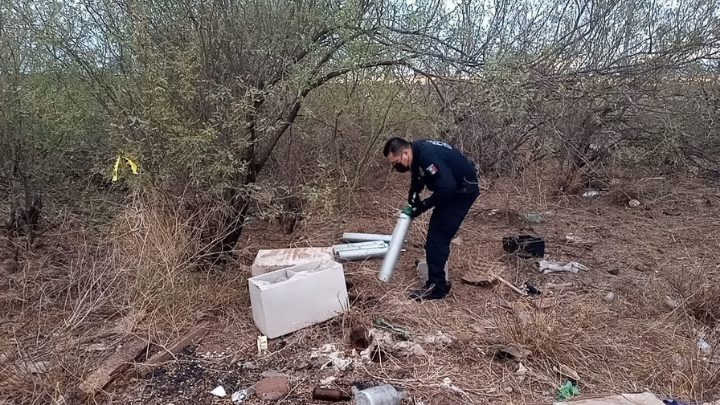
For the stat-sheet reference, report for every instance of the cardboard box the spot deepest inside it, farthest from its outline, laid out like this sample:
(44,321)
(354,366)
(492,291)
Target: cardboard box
(286,300)
(274,259)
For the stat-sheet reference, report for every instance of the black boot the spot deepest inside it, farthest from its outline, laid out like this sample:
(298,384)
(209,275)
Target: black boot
(430,292)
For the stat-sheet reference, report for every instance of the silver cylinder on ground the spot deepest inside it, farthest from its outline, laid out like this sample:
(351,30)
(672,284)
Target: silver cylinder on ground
(396,242)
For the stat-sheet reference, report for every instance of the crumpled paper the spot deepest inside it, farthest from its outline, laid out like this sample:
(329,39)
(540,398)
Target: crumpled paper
(329,354)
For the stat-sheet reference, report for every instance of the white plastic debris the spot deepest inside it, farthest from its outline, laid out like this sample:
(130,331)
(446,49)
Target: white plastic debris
(547,267)
(609,297)
(634,203)
(590,193)
(239,396)
(522,369)
(262,344)
(328,381)
(328,354)
(703,345)
(447,383)
(219,391)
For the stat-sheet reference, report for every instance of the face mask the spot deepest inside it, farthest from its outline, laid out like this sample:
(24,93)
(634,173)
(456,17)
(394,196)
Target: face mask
(400,167)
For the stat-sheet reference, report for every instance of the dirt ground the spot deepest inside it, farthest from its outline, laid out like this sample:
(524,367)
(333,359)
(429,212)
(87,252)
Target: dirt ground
(660,260)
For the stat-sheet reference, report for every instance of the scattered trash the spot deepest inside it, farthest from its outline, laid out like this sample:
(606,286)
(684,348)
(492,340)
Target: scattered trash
(34,367)
(328,354)
(361,250)
(219,391)
(634,203)
(609,297)
(384,394)
(567,390)
(566,371)
(328,380)
(590,193)
(97,347)
(512,287)
(479,281)
(547,267)
(524,245)
(510,352)
(533,217)
(400,332)
(671,401)
(239,396)
(273,388)
(359,340)
(614,272)
(572,238)
(439,338)
(249,365)
(671,302)
(703,345)
(559,285)
(530,289)
(331,395)
(644,398)
(262,344)
(522,369)
(447,383)
(384,343)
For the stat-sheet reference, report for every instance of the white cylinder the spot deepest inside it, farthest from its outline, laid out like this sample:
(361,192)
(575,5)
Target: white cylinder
(396,243)
(364,237)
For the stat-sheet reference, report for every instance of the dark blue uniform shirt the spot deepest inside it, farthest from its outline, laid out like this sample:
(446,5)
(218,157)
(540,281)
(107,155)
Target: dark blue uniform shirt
(443,169)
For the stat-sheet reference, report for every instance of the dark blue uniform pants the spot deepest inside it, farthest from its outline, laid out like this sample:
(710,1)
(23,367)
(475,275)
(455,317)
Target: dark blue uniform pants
(444,224)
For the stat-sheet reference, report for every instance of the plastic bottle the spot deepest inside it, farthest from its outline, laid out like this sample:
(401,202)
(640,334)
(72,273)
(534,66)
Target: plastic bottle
(396,243)
(384,394)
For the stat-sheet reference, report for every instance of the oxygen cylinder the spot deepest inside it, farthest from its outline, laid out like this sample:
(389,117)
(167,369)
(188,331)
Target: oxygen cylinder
(396,243)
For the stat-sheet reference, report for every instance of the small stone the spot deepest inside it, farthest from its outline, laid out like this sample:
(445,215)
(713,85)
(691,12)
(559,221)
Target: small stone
(272,388)
(508,390)
(614,272)
(609,297)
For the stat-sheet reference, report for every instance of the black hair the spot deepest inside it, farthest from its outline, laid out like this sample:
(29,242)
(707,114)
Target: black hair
(395,145)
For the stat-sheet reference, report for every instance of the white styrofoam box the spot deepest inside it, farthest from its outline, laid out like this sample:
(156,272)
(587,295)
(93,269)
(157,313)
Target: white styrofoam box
(275,259)
(286,300)
(422,269)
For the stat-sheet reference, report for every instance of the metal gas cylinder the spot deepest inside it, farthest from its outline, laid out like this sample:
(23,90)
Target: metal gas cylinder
(396,242)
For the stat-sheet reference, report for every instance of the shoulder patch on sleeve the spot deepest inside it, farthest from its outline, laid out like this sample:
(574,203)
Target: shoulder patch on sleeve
(432,169)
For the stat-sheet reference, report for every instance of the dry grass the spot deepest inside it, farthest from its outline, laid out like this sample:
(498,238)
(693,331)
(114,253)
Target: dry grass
(135,275)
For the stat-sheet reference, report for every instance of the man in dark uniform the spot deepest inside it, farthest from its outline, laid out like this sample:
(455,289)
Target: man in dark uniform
(452,178)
